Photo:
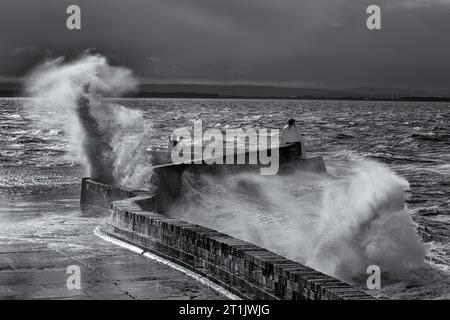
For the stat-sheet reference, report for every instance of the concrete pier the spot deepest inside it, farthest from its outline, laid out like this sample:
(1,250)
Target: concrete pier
(242,268)
(168,176)
(34,266)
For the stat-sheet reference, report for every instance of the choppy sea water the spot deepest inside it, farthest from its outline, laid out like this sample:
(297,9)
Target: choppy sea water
(411,138)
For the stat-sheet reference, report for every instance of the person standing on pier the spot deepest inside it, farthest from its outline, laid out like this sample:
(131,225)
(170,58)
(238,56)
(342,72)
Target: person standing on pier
(291,135)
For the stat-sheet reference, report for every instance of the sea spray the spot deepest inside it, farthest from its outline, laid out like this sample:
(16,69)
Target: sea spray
(96,145)
(363,221)
(110,138)
(339,226)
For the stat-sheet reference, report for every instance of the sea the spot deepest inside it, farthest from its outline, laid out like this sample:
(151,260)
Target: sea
(387,203)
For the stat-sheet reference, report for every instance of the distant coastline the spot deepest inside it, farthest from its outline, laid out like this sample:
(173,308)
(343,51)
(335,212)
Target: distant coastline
(201,91)
(194,95)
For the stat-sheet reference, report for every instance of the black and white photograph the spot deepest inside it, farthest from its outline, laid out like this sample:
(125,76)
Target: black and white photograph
(192,150)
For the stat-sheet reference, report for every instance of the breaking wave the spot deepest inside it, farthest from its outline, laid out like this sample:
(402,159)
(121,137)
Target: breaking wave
(109,137)
(339,226)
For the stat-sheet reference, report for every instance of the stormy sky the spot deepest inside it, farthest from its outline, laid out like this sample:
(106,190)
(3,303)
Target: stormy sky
(303,43)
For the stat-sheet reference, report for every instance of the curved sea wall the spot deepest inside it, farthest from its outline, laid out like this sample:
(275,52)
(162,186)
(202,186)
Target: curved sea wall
(242,268)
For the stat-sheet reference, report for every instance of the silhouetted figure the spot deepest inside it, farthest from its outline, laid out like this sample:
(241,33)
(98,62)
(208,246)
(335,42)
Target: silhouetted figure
(291,135)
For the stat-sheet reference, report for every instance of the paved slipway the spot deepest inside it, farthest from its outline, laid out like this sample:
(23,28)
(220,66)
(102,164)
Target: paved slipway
(35,254)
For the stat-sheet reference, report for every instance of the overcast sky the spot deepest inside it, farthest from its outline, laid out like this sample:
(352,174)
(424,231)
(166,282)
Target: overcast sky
(314,43)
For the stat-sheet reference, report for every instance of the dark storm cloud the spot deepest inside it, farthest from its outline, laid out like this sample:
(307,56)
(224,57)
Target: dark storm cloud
(291,42)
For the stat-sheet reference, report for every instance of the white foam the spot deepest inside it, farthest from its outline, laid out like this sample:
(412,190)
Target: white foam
(108,136)
(338,226)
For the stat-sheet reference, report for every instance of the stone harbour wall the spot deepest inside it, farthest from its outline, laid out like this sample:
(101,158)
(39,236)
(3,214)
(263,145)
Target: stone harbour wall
(99,194)
(242,268)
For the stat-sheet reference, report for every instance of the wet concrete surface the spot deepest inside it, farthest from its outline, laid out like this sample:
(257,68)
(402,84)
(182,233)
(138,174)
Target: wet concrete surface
(35,254)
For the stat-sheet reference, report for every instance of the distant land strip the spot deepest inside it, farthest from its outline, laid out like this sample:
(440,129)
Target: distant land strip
(261,92)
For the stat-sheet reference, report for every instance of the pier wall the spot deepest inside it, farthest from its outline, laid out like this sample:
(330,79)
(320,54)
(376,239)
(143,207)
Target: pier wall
(102,195)
(248,271)
(242,268)
(168,178)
